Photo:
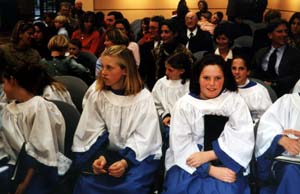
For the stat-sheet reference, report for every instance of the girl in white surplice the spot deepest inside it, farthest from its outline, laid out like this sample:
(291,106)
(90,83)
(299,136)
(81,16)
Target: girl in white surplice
(117,141)
(195,165)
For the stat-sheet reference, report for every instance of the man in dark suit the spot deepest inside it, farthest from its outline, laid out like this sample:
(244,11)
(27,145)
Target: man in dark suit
(278,65)
(147,67)
(194,38)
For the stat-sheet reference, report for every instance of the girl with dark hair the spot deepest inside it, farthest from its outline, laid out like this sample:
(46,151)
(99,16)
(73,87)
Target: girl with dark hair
(88,33)
(206,127)
(32,132)
(255,95)
(170,45)
(117,141)
(224,41)
(294,30)
(168,89)
(40,39)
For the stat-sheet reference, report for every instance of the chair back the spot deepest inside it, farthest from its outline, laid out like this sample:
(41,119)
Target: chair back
(71,117)
(76,86)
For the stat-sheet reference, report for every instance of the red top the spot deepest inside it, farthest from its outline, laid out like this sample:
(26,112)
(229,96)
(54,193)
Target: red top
(90,42)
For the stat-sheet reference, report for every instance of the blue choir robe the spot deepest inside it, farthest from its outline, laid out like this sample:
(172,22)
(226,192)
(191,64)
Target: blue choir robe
(233,147)
(282,177)
(39,126)
(125,125)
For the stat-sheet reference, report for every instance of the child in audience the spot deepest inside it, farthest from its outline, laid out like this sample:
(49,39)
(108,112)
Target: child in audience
(278,134)
(32,133)
(117,142)
(196,164)
(255,95)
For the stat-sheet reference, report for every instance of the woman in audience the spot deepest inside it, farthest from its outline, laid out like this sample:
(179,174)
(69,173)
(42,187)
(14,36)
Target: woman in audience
(125,27)
(278,134)
(144,31)
(210,160)
(170,45)
(40,39)
(224,41)
(32,132)
(117,142)
(88,33)
(255,95)
(294,30)
(19,50)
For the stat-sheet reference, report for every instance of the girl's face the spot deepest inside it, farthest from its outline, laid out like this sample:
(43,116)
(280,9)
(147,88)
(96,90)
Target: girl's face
(8,87)
(222,41)
(26,37)
(239,71)
(107,42)
(38,34)
(211,81)
(295,26)
(167,35)
(112,73)
(173,73)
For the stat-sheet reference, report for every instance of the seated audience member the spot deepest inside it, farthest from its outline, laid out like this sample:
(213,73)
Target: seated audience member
(40,39)
(19,50)
(205,23)
(32,133)
(88,33)
(255,95)
(117,141)
(278,65)
(194,38)
(170,45)
(61,23)
(87,59)
(124,26)
(144,31)
(60,64)
(147,67)
(224,41)
(210,163)
(294,30)
(260,36)
(278,134)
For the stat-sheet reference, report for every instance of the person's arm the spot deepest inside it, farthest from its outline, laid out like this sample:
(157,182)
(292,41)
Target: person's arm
(24,184)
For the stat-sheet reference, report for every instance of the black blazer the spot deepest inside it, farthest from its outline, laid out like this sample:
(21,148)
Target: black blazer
(288,72)
(202,41)
(147,67)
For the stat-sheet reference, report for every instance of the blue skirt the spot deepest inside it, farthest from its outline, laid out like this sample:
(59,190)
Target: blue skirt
(137,180)
(288,177)
(178,181)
